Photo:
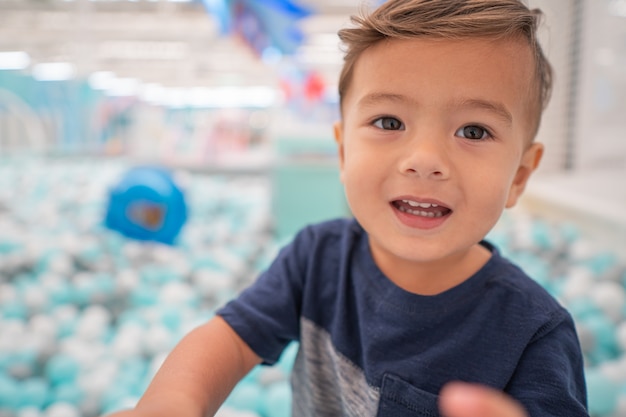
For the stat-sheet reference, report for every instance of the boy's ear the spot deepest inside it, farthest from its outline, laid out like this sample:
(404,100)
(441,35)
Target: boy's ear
(338,131)
(530,162)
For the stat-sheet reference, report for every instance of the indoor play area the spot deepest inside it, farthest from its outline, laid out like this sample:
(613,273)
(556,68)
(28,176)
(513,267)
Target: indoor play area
(155,156)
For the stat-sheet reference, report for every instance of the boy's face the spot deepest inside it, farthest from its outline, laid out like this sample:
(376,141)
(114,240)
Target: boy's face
(434,144)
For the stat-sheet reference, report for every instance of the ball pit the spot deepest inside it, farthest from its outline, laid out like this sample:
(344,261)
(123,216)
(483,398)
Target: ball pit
(87,316)
(590,280)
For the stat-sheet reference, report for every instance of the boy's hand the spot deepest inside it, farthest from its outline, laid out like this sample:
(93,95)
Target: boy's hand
(470,400)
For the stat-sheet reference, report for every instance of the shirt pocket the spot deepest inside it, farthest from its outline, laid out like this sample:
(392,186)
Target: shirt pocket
(398,398)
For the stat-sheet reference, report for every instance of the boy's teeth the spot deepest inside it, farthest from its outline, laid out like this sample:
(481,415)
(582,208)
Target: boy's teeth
(420,212)
(417,204)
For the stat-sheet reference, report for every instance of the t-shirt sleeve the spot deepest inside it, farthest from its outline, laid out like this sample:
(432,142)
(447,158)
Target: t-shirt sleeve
(266,315)
(549,379)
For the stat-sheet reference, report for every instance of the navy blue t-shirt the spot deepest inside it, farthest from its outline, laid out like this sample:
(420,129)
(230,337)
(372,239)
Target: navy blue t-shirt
(370,348)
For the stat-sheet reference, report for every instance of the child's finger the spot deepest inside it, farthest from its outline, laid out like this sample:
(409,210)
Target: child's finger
(470,400)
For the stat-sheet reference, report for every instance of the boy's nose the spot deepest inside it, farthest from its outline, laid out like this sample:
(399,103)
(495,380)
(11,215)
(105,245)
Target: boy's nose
(425,158)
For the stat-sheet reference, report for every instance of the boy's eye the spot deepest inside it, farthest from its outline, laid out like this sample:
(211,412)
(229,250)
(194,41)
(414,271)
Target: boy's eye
(472,132)
(388,123)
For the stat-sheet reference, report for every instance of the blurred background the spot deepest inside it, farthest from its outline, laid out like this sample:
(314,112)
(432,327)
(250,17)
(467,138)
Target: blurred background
(155,154)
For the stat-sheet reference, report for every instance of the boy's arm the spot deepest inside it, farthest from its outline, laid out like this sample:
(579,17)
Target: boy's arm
(470,400)
(198,374)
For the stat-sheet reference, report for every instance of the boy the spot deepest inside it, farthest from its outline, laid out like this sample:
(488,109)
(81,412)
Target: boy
(440,103)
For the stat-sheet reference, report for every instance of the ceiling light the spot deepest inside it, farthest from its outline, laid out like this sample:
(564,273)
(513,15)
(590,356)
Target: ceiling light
(54,71)
(152,93)
(16,60)
(101,80)
(124,87)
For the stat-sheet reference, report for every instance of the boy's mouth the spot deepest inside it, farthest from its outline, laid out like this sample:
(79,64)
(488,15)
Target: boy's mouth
(422,209)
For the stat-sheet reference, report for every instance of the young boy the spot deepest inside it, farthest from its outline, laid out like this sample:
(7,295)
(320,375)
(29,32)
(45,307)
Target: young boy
(440,103)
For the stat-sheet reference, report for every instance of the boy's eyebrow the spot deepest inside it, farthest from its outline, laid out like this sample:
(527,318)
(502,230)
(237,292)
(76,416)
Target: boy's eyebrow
(492,106)
(372,98)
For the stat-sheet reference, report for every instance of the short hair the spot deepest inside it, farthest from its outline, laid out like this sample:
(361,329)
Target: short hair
(449,19)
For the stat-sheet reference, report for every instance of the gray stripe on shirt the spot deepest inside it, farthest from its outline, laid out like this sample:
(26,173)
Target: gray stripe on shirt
(325,383)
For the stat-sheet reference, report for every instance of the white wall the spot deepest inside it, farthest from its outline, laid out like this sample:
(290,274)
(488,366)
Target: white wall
(601,122)
(586,44)
(556,36)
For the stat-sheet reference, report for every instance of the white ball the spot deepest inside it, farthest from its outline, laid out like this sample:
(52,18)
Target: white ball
(83,351)
(66,312)
(158,339)
(66,315)
(128,341)
(176,293)
(233,262)
(62,410)
(55,286)
(13,332)
(610,297)
(35,247)
(29,412)
(35,298)
(62,264)
(42,324)
(164,254)
(582,249)
(71,245)
(612,371)
(97,314)
(226,411)
(126,281)
(124,348)
(270,375)
(211,282)
(93,325)
(578,285)
(8,293)
(99,378)
(181,266)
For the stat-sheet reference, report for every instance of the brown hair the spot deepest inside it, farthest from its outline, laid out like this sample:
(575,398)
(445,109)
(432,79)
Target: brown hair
(448,19)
